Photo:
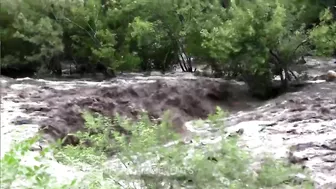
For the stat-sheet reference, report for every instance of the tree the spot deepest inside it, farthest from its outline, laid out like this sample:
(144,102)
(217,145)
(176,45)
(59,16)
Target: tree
(258,40)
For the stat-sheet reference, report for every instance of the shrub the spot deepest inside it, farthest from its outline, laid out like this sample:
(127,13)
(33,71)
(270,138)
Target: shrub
(148,158)
(15,174)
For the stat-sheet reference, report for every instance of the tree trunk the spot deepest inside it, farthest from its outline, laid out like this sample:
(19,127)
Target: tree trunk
(55,65)
(225,3)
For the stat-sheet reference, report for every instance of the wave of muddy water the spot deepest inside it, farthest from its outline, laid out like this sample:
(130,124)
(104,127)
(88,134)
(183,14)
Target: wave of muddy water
(300,126)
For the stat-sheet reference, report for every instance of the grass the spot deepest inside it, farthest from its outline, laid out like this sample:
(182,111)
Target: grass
(135,157)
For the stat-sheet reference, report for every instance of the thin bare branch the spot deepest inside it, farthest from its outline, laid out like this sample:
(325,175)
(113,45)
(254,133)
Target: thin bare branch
(302,43)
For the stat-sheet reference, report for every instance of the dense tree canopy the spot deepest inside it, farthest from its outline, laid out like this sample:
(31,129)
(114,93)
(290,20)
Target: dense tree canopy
(256,39)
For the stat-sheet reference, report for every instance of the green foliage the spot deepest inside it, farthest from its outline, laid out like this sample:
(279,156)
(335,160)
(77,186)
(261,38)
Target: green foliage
(243,42)
(95,143)
(216,118)
(148,161)
(28,37)
(44,34)
(15,173)
(324,35)
(256,40)
(151,159)
(275,172)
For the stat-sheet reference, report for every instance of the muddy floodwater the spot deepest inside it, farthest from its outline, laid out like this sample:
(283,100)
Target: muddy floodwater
(301,125)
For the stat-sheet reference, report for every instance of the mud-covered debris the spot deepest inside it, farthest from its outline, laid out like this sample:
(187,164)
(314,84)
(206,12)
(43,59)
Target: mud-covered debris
(22,120)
